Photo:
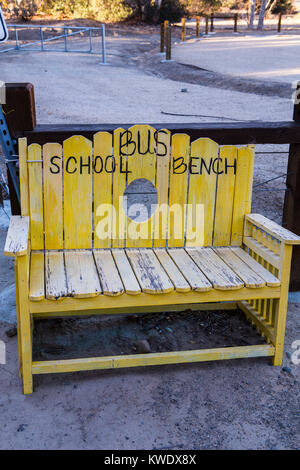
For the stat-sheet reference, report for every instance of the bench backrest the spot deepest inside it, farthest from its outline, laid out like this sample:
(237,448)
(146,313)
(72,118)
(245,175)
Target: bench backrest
(74,193)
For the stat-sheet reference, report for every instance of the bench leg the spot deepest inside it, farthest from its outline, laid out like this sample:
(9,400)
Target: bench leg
(18,319)
(282,303)
(25,323)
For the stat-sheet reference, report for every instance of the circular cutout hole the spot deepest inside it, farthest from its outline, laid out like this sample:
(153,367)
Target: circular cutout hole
(140,200)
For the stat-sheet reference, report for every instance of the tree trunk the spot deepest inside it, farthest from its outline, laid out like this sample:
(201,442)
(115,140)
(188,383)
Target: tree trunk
(262,14)
(252,4)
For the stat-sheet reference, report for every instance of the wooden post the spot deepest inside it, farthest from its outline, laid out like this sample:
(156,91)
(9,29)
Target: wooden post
(162,37)
(166,25)
(183,30)
(235,22)
(20,116)
(168,44)
(211,22)
(281,304)
(25,331)
(291,209)
(279,23)
(197,26)
(206,25)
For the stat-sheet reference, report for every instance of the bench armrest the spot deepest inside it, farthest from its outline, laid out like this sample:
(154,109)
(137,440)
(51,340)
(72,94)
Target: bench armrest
(17,236)
(273,229)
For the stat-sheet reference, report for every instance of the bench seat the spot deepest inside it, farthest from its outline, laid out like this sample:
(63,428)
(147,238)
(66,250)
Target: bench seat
(89,273)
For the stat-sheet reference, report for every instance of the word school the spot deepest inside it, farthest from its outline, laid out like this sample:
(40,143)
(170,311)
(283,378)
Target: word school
(110,164)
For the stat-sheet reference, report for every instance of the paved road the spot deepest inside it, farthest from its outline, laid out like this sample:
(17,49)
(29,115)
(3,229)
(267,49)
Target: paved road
(272,57)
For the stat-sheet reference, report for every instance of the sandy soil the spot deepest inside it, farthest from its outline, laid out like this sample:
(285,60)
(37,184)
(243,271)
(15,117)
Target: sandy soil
(241,404)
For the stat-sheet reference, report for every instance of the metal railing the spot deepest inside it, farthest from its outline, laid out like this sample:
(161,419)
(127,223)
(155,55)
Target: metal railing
(92,33)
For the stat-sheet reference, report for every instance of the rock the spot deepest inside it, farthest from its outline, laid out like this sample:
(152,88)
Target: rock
(22,427)
(287,369)
(143,347)
(11,332)
(184,90)
(288,354)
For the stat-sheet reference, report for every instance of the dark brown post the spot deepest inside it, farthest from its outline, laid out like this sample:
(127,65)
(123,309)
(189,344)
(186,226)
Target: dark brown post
(211,22)
(206,25)
(19,108)
(197,26)
(168,43)
(235,22)
(291,209)
(279,23)
(162,37)
(20,116)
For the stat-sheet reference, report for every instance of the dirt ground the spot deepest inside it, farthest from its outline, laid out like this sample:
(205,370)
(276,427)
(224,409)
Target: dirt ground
(241,404)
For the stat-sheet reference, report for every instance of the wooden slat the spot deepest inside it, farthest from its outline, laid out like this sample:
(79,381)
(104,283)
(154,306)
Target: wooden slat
(225,133)
(274,229)
(142,164)
(16,243)
(202,190)
(137,360)
(119,186)
(81,273)
(195,277)
(162,186)
(178,189)
(149,272)
(77,192)
(270,279)
(258,321)
(149,309)
(243,192)
(250,278)
(35,178)
(110,280)
(23,174)
(37,280)
(262,251)
(218,273)
(180,283)
(102,303)
(127,275)
(103,174)
(55,275)
(53,203)
(225,193)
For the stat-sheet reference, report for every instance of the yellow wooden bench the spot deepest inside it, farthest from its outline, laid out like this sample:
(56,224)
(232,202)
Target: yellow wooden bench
(80,250)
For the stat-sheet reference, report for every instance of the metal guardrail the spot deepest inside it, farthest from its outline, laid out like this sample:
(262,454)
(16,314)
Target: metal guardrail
(76,30)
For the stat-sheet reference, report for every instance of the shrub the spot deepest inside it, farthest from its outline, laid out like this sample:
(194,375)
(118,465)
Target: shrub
(102,10)
(24,9)
(283,6)
(172,10)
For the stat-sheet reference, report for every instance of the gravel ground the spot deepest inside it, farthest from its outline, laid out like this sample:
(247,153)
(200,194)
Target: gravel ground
(238,404)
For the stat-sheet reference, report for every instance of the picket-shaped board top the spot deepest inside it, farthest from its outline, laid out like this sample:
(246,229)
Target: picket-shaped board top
(139,187)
